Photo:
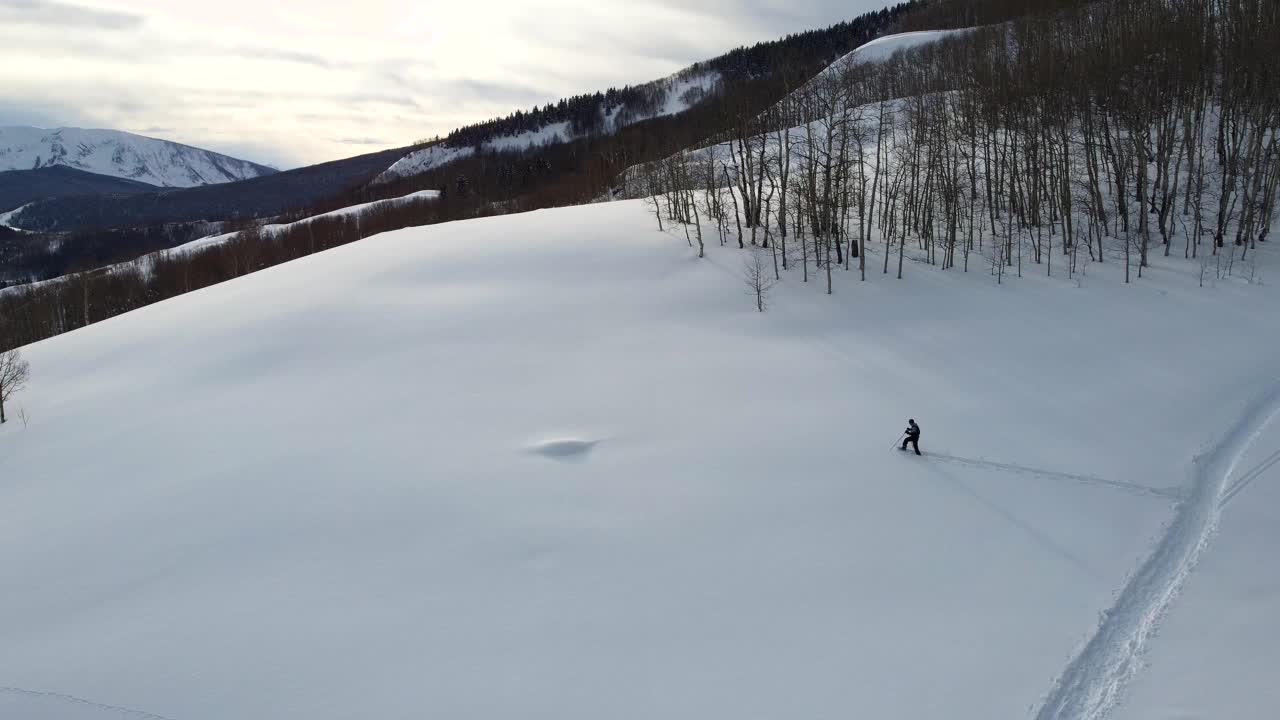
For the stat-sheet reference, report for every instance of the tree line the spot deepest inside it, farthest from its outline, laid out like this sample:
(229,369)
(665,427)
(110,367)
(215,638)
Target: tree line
(1096,133)
(739,70)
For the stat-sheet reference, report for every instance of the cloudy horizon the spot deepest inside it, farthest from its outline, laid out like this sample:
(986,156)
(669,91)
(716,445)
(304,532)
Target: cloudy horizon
(294,83)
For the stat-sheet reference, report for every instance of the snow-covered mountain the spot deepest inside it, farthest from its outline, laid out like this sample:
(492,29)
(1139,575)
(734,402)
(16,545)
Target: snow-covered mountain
(883,48)
(123,155)
(668,96)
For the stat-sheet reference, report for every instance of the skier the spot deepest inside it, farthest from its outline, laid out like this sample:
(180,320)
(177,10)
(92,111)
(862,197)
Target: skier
(913,436)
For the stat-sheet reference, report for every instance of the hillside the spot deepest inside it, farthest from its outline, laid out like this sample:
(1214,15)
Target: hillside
(554,464)
(19,187)
(262,196)
(121,155)
(613,127)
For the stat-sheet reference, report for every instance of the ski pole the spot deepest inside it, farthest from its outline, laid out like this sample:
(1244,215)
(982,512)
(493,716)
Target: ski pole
(895,442)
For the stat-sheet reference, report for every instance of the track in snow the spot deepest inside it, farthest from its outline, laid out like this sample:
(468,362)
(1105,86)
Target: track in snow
(1171,493)
(73,700)
(1250,476)
(1093,682)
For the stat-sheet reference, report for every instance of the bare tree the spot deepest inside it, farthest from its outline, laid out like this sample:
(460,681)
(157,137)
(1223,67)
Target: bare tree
(653,195)
(14,373)
(757,278)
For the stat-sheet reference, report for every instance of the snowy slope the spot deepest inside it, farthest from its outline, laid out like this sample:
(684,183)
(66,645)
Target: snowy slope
(146,261)
(879,50)
(678,93)
(883,48)
(553,133)
(1217,655)
(424,160)
(6,217)
(120,154)
(274,228)
(553,465)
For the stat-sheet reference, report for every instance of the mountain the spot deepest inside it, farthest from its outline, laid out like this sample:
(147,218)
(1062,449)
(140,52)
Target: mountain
(19,187)
(561,153)
(121,155)
(601,114)
(259,196)
(640,119)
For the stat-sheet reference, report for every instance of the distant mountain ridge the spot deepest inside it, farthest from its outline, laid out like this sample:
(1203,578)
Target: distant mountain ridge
(118,154)
(271,194)
(19,187)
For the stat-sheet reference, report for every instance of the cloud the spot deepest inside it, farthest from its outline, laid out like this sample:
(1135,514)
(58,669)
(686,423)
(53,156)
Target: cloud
(22,111)
(371,98)
(516,94)
(64,15)
(363,141)
(778,17)
(308,82)
(272,155)
(674,49)
(290,56)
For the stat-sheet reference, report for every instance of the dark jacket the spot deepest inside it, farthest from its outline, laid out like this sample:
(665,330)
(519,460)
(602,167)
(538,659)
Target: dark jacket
(913,431)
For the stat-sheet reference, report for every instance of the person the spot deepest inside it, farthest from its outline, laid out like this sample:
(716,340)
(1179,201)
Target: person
(913,436)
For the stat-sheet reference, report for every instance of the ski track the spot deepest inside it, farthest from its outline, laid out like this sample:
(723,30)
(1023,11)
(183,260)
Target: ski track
(1172,493)
(1094,680)
(72,699)
(1250,476)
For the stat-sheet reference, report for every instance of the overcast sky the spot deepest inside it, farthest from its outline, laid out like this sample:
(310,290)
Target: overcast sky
(293,82)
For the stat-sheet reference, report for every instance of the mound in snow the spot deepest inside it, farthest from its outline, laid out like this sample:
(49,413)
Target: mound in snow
(334,488)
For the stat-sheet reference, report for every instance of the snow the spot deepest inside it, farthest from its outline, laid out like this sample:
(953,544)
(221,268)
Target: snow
(1217,653)
(424,160)
(274,228)
(1093,683)
(554,465)
(546,135)
(884,48)
(880,50)
(7,217)
(683,91)
(271,229)
(120,154)
(680,91)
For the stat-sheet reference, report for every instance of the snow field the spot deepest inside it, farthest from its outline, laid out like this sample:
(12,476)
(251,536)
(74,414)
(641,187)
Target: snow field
(553,465)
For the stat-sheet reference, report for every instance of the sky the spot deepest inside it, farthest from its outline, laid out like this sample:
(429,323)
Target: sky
(294,82)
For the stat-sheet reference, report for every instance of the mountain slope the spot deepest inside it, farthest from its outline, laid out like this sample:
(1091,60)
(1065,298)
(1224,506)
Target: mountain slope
(121,155)
(702,95)
(554,465)
(267,195)
(669,96)
(19,187)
